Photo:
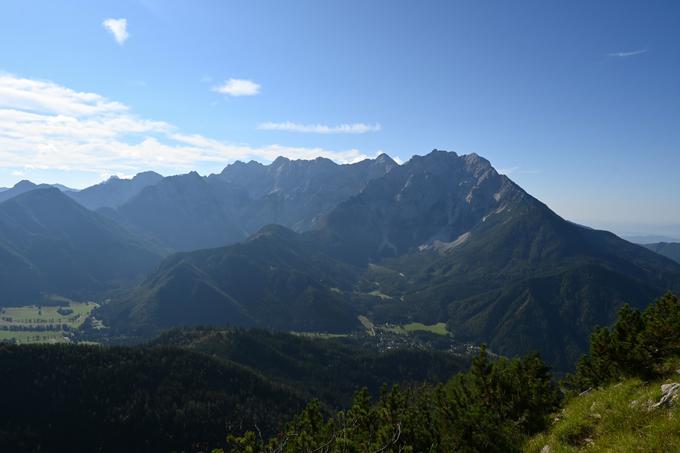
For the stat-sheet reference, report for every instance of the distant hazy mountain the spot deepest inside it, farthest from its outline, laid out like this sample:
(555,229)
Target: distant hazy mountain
(648,239)
(64,188)
(440,238)
(19,188)
(297,193)
(51,244)
(189,212)
(114,191)
(26,186)
(668,249)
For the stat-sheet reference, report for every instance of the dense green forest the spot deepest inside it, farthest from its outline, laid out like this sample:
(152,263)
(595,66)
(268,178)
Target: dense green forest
(330,370)
(189,388)
(89,398)
(496,406)
(256,391)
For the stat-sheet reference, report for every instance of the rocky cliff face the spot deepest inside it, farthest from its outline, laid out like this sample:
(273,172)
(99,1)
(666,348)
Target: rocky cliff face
(431,200)
(297,193)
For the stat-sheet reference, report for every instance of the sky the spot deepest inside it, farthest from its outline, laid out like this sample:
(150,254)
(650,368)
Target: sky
(578,102)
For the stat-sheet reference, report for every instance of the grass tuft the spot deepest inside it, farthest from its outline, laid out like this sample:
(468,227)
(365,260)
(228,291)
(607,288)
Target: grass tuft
(614,419)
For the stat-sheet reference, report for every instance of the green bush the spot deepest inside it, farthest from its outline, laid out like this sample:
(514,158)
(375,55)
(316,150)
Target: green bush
(638,345)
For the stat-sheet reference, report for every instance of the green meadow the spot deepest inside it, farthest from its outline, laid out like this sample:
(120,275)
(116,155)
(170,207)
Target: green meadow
(43,324)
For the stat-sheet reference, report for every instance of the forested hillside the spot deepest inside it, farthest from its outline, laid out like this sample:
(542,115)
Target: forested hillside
(330,370)
(87,398)
(514,405)
(49,244)
(189,389)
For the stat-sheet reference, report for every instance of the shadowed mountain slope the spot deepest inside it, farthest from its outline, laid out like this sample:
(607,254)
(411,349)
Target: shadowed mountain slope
(51,244)
(19,188)
(276,279)
(186,212)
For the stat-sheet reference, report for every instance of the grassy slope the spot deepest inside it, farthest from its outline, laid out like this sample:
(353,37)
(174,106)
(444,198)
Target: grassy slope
(614,419)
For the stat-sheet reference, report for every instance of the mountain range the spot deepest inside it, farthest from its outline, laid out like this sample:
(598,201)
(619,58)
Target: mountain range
(26,186)
(442,238)
(114,191)
(312,245)
(668,249)
(190,212)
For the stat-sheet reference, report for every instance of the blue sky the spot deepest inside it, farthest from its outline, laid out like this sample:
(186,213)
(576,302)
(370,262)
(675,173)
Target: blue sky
(579,102)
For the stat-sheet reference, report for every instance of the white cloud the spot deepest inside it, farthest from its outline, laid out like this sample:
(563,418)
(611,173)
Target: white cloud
(238,87)
(36,95)
(118,28)
(508,171)
(44,125)
(627,54)
(355,128)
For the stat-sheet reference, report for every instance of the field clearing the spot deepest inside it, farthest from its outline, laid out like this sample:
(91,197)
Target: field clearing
(320,335)
(404,329)
(34,337)
(73,314)
(368,325)
(43,324)
(438,328)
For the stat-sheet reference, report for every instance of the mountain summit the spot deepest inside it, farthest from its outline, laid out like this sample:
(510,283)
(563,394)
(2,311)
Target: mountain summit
(432,200)
(115,191)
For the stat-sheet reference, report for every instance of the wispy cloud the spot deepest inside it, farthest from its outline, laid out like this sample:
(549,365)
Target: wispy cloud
(44,125)
(288,126)
(118,28)
(627,54)
(238,87)
(508,171)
